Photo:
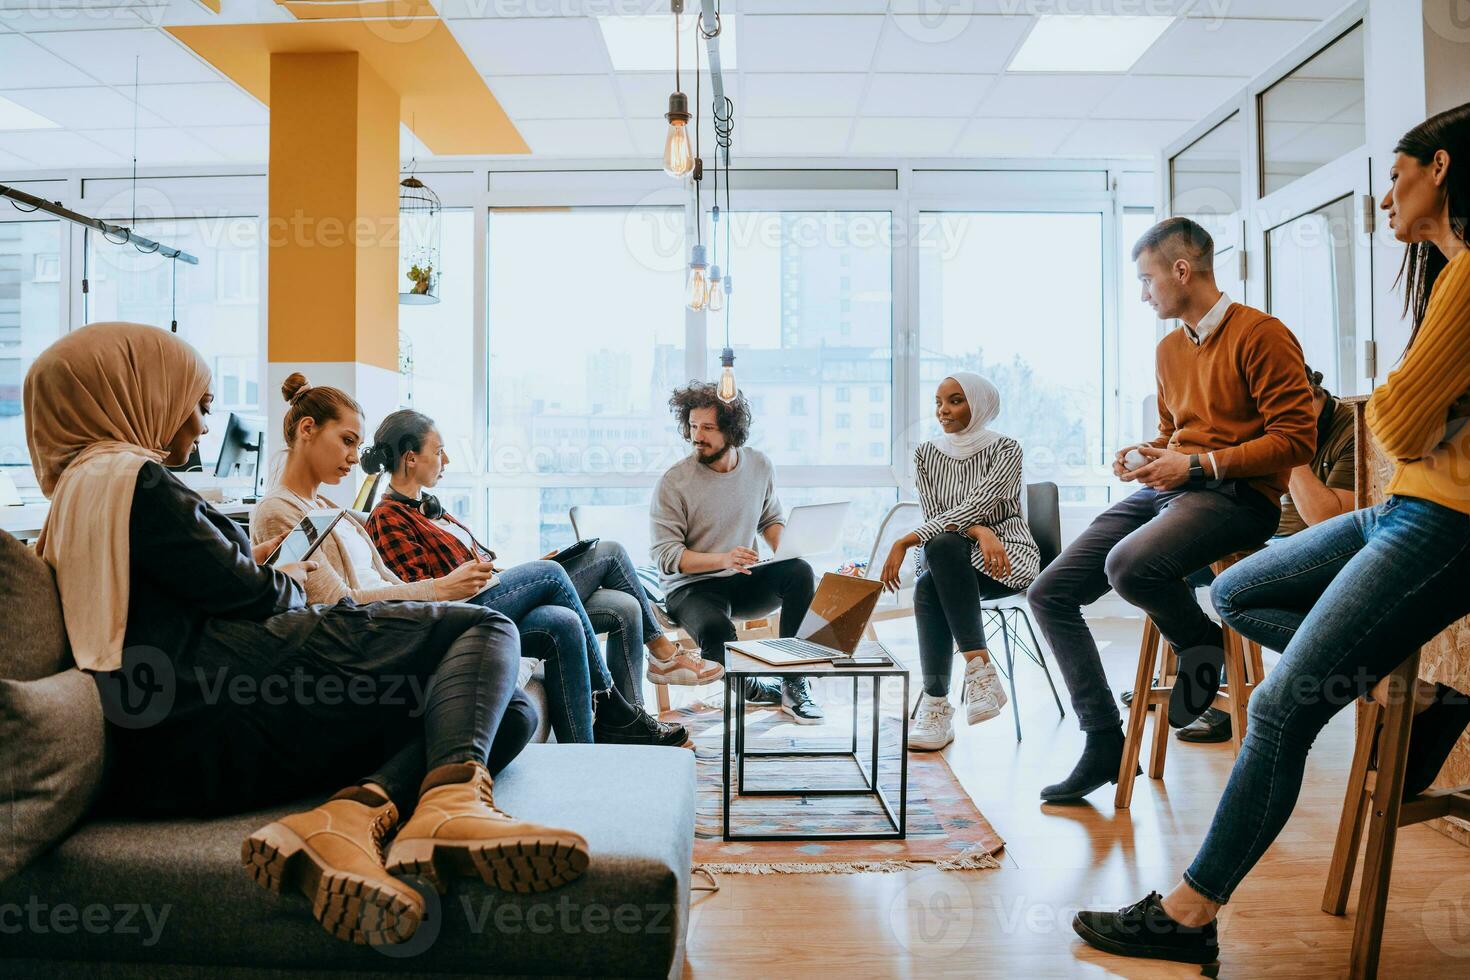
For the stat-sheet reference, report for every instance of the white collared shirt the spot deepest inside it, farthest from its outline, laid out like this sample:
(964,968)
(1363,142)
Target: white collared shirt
(1209,321)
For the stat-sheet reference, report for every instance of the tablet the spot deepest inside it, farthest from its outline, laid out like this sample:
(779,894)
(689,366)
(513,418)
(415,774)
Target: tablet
(575,550)
(306,536)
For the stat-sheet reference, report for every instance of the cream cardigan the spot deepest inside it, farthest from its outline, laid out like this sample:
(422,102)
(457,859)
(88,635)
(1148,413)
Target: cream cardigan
(334,579)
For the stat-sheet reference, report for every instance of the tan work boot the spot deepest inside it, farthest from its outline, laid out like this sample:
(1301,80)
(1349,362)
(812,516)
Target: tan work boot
(457,830)
(334,856)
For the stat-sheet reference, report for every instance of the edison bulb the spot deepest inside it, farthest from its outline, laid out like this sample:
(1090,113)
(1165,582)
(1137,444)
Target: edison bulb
(727,390)
(698,288)
(716,291)
(678,155)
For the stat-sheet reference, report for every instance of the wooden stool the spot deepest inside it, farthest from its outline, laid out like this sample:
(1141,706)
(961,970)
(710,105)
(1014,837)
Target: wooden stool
(1375,791)
(1243,671)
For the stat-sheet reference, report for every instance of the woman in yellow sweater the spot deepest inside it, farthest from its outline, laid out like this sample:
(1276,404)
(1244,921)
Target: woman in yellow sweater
(1347,600)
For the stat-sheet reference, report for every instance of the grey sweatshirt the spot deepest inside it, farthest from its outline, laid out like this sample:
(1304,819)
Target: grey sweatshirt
(697,509)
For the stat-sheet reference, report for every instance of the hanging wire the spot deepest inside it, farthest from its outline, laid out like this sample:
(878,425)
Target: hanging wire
(173,300)
(698,159)
(16,205)
(137,62)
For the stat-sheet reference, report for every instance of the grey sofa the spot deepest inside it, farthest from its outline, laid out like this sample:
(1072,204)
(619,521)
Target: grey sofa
(169,899)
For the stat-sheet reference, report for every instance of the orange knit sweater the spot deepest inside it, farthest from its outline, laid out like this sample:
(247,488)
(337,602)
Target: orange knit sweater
(1243,395)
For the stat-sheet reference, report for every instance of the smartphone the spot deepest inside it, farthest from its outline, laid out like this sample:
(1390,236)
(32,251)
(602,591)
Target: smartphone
(306,537)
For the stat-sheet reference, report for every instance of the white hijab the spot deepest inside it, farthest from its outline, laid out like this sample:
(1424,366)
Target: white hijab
(984,399)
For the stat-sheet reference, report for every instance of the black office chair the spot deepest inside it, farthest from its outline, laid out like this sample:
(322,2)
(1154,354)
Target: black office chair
(1044,518)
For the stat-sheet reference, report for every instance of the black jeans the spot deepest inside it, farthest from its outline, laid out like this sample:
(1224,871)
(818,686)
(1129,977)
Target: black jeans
(1142,547)
(705,607)
(947,607)
(311,700)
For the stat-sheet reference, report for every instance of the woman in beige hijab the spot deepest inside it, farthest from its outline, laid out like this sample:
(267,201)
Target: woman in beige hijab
(224,692)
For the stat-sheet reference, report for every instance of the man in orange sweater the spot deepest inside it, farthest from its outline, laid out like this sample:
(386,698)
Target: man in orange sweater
(1235,415)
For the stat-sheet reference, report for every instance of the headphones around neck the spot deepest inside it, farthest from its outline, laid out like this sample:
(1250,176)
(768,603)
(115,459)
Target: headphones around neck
(426,503)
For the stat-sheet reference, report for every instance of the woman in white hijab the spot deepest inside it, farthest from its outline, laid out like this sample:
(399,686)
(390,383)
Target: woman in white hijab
(975,545)
(223,692)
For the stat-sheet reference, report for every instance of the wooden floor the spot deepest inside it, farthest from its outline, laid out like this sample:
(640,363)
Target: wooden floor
(1015,922)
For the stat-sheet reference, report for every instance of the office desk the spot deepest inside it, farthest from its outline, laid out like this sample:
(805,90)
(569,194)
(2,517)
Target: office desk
(25,522)
(1445,658)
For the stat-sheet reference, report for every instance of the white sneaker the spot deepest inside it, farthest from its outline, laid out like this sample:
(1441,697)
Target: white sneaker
(984,697)
(933,726)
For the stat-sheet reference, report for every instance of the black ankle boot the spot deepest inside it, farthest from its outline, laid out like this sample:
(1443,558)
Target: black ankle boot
(1433,736)
(1099,764)
(615,721)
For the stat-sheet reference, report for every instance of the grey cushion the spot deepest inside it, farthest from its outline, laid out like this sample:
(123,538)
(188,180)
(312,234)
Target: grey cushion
(34,643)
(51,746)
(626,916)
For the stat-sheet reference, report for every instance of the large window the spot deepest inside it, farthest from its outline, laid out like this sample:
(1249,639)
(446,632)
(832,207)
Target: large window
(216,303)
(586,340)
(436,344)
(1018,298)
(1205,177)
(811,323)
(30,318)
(1138,337)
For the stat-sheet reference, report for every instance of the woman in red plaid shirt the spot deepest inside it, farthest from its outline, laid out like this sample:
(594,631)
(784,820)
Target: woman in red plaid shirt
(419,540)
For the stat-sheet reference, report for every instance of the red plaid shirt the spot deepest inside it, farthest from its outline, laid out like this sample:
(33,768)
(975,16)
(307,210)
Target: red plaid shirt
(416,548)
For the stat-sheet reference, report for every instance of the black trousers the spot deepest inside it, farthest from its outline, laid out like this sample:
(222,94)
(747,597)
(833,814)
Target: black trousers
(947,607)
(309,701)
(705,608)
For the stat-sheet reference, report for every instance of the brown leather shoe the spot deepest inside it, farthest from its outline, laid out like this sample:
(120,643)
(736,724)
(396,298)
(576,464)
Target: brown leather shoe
(457,830)
(334,856)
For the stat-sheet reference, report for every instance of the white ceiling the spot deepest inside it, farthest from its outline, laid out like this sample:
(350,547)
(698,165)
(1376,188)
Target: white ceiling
(859,78)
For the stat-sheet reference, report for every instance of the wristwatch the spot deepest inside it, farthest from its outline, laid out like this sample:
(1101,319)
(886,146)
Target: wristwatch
(1196,471)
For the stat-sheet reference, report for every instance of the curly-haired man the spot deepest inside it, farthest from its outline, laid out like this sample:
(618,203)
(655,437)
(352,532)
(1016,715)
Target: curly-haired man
(707,510)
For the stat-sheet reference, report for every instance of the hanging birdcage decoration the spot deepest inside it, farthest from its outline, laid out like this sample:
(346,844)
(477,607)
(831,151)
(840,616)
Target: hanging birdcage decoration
(418,243)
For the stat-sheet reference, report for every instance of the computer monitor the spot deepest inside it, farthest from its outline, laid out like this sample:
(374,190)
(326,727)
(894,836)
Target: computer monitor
(244,434)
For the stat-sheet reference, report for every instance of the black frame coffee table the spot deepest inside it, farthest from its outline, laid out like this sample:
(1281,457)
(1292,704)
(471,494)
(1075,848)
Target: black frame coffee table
(738,666)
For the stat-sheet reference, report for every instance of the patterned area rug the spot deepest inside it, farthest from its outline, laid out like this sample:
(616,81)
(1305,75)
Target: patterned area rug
(945,829)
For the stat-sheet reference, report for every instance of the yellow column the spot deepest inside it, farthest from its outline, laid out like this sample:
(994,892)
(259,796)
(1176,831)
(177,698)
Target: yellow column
(333,229)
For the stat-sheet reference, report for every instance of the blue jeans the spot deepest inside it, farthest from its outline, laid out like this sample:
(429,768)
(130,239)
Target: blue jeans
(1346,601)
(607,582)
(541,600)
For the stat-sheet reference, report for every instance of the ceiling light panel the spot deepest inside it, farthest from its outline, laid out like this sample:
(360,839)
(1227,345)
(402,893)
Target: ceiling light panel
(13,116)
(1067,42)
(645,42)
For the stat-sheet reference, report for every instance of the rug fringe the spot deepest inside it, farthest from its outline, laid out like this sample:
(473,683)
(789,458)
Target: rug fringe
(974,859)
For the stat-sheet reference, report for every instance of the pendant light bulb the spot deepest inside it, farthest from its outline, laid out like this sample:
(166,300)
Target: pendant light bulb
(678,155)
(716,290)
(698,290)
(727,392)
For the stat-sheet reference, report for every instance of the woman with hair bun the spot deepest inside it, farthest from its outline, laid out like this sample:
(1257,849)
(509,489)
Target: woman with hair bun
(323,437)
(420,540)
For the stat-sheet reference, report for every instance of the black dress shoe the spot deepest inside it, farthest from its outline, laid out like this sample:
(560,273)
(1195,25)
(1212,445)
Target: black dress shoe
(1212,726)
(1433,736)
(1101,758)
(1196,684)
(1145,930)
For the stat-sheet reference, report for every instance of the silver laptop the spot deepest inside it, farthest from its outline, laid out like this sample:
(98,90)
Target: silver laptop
(811,529)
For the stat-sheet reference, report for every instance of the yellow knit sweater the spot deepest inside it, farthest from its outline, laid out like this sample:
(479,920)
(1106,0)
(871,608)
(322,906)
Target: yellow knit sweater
(1409,413)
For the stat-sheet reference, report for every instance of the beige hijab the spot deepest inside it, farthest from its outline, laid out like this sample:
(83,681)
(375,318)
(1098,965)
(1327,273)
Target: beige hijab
(99,403)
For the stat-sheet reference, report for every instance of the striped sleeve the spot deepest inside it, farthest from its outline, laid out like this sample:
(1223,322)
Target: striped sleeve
(1409,412)
(980,496)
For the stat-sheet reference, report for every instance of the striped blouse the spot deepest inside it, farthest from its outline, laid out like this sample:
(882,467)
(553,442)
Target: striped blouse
(985,489)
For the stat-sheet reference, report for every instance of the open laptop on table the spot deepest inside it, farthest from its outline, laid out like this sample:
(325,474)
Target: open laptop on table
(832,629)
(811,529)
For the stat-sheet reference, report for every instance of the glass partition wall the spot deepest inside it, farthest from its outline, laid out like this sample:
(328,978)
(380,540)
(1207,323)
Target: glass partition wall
(1282,181)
